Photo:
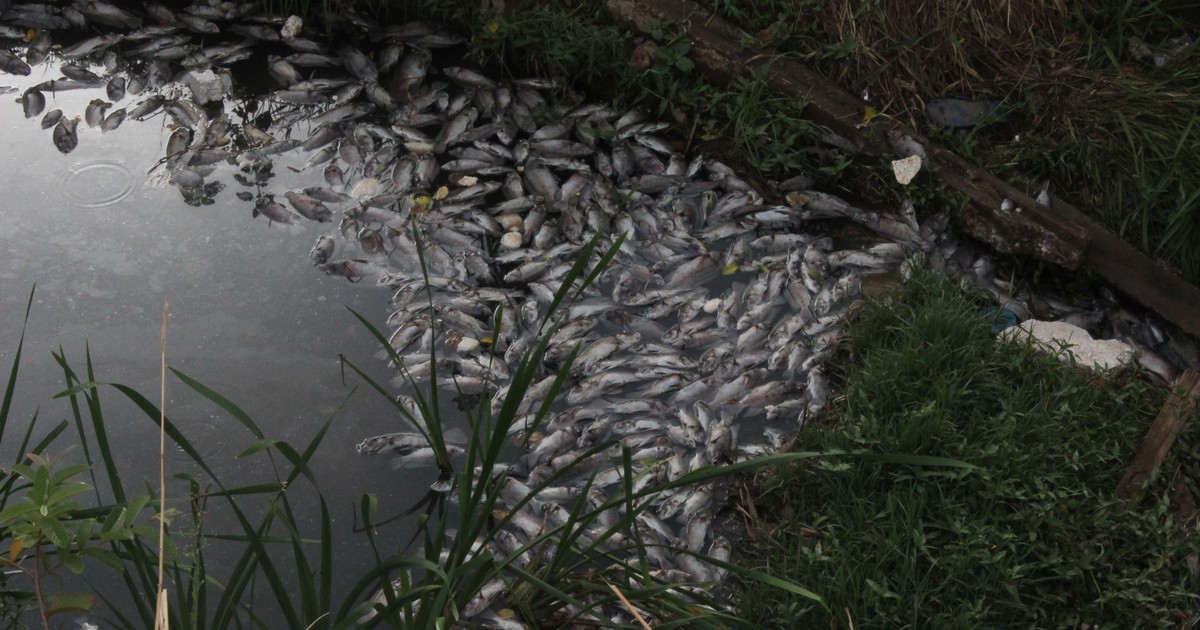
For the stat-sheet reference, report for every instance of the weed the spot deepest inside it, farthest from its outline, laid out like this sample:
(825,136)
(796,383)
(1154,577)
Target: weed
(1032,537)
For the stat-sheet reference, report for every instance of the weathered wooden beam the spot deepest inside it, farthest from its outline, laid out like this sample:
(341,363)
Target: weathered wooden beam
(1180,406)
(1061,234)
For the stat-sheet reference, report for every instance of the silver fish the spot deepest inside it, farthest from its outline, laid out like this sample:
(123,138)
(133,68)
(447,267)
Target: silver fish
(51,118)
(358,64)
(94,113)
(273,211)
(283,72)
(309,207)
(80,74)
(13,64)
(115,88)
(64,134)
(33,101)
(113,120)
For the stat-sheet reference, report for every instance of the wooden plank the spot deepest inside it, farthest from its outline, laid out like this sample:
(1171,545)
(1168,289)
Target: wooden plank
(1061,234)
(1180,406)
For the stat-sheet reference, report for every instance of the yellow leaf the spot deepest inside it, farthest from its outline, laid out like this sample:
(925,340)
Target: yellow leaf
(15,548)
(491,26)
(30,34)
(869,113)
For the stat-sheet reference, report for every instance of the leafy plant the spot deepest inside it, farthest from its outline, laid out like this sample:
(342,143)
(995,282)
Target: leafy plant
(48,530)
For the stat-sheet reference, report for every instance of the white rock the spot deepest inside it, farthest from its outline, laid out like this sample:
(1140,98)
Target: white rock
(906,169)
(510,221)
(208,86)
(511,240)
(291,28)
(1088,352)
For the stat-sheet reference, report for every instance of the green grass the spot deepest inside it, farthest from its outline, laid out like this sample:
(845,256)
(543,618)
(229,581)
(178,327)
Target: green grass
(1032,538)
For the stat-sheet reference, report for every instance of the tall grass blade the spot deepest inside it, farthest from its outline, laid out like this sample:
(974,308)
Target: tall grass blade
(11,386)
(222,402)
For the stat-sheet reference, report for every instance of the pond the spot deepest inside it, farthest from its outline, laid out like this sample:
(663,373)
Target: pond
(106,240)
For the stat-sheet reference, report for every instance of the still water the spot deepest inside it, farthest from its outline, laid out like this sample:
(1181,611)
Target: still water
(250,317)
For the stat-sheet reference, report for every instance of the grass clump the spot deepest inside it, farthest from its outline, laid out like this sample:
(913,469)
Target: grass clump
(1031,538)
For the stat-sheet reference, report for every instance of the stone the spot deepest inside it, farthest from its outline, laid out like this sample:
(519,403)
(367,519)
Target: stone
(1100,354)
(291,28)
(208,86)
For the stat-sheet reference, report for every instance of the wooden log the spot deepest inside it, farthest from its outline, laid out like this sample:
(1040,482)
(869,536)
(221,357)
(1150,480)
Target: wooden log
(1180,406)
(1060,234)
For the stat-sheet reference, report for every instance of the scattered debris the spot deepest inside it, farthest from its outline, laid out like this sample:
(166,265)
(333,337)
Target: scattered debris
(1082,349)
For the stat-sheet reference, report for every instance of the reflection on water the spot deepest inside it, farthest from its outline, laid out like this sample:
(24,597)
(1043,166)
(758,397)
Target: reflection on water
(105,244)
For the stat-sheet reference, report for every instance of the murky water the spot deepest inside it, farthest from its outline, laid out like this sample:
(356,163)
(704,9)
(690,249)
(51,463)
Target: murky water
(249,316)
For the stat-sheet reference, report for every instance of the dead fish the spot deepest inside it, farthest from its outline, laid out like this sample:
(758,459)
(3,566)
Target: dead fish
(273,210)
(322,250)
(115,88)
(113,120)
(187,178)
(13,64)
(34,102)
(81,74)
(381,97)
(358,64)
(64,134)
(147,107)
(160,13)
(51,118)
(309,207)
(354,270)
(260,32)
(410,74)
(38,49)
(94,113)
(206,156)
(198,24)
(178,142)
(371,241)
(468,78)
(136,84)
(311,60)
(283,72)
(110,15)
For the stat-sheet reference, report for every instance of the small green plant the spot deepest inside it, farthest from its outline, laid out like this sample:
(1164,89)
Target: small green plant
(48,529)
(1031,538)
(771,131)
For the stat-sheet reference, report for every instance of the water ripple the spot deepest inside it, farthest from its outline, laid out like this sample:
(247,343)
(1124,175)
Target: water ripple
(96,183)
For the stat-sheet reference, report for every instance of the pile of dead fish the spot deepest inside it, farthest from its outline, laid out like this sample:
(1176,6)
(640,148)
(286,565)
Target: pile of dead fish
(702,344)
